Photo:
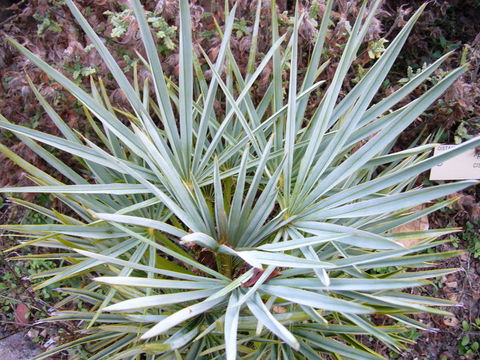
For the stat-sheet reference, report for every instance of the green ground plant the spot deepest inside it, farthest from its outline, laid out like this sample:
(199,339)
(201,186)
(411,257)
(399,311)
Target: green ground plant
(13,274)
(162,31)
(46,24)
(11,296)
(470,343)
(469,238)
(253,231)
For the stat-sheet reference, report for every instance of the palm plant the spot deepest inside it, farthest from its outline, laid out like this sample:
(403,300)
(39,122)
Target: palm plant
(254,233)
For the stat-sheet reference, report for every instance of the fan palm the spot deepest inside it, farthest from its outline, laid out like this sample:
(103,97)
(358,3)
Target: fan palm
(254,232)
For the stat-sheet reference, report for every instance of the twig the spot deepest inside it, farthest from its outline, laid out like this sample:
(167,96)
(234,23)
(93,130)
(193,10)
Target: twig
(11,8)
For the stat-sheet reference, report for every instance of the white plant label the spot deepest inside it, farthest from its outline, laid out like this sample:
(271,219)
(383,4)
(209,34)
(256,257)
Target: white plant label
(461,167)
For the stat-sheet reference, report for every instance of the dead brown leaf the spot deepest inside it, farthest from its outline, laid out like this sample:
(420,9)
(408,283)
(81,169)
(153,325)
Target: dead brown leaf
(421,224)
(21,314)
(451,321)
